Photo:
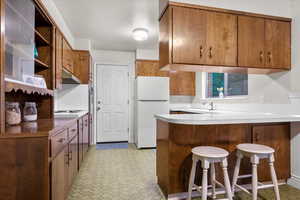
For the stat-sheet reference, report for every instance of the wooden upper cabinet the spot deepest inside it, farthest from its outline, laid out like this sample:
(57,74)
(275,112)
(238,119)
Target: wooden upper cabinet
(189,36)
(251,54)
(58,59)
(197,38)
(221,40)
(67,56)
(278,44)
(82,62)
(201,37)
(149,68)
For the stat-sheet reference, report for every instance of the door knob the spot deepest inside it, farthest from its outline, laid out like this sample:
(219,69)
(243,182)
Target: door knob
(98,108)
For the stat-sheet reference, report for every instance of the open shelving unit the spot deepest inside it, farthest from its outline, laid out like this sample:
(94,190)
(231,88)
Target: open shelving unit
(29,34)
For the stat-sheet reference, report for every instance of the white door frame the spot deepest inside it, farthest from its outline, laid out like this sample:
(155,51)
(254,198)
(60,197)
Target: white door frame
(97,65)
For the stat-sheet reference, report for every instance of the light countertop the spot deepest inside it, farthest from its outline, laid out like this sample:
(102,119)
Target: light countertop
(206,117)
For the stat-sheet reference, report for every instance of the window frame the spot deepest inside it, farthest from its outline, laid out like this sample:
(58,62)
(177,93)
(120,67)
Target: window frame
(205,92)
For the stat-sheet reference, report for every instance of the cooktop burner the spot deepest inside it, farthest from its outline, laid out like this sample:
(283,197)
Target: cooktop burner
(68,111)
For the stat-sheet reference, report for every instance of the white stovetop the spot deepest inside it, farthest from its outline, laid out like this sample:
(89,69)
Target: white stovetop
(203,117)
(71,115)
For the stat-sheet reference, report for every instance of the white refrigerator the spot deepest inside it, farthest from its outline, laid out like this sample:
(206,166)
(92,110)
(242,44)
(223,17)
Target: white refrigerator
(152,97)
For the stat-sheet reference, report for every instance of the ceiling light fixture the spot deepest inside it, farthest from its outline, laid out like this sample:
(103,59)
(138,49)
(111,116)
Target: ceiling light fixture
(140,34)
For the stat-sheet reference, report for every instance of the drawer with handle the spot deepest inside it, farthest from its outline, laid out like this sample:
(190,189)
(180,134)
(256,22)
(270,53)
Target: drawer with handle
(73,131)
(58,142)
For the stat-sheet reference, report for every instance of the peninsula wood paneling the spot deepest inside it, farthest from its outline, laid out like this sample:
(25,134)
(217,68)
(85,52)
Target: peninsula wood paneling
(175,142)
(277,137)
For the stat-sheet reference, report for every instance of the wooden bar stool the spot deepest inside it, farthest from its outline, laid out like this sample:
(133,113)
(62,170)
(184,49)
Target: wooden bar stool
(255,152)
(209,156)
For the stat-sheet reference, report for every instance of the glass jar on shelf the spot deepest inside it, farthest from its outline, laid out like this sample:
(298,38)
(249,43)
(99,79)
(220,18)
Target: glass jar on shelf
(30,112)
(12,113)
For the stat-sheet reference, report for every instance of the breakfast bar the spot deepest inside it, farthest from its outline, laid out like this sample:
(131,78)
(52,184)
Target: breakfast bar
(178,133)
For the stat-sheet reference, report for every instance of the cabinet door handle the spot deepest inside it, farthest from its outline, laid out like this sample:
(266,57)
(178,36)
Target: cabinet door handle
(270,57)
(70,155)
(61,140)
(73,130)
(261,57)
(210,52)
(201,51)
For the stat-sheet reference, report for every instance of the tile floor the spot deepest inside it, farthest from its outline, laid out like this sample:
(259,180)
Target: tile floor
(129,174)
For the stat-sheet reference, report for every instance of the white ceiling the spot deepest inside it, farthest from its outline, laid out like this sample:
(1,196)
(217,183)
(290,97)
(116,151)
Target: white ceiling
(109,23)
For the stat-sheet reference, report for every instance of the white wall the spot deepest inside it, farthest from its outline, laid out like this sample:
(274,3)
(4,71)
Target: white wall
(268,7)
(59,20)
(83,44)
(72,97)
(147,54)
(120,58)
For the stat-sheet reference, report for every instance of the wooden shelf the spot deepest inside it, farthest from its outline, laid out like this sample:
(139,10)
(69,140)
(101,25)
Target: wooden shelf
(39,65)
(40,40)
(27,89)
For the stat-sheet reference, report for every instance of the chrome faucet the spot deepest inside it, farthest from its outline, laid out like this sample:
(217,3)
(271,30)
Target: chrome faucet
(211,106)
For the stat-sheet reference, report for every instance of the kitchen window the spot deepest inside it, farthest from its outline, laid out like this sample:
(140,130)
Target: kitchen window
(226,85)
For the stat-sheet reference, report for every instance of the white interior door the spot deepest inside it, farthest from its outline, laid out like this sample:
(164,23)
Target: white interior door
(112,103)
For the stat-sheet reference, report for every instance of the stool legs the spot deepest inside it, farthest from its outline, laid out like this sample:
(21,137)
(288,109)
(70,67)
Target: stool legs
(192,178)
(236,171)
(254,161)
(274,177)
(205,166)
(213,180)
(226,179)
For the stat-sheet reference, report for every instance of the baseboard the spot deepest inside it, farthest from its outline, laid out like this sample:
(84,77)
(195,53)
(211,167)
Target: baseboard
(294,181)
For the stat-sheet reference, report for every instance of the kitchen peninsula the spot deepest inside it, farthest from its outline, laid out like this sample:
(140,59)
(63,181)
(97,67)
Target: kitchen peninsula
(178,133)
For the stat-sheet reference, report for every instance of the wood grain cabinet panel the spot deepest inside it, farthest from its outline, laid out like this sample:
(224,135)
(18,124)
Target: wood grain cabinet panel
(189,35)
(149,68)
(277,137)
(201,37)
(82,62)
(251,53)
(197,38)
(182,83)
(73,161)
(58,59)
(221,48)
(85,133)
(58,177)
(278,44)
(67,57)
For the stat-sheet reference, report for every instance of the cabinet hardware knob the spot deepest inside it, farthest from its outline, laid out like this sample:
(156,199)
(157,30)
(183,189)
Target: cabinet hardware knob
(201,51)
(70,155)
(210,52)
(270,57)
(61,140)
(261,56)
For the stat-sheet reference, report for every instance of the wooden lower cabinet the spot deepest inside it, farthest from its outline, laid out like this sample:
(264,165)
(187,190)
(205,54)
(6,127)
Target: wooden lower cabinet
(59,180)
(175,142)
(73,160)
(277,137)
(85,133)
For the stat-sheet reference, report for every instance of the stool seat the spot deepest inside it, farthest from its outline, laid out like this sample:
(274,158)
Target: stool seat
(210,152)
(255,148)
